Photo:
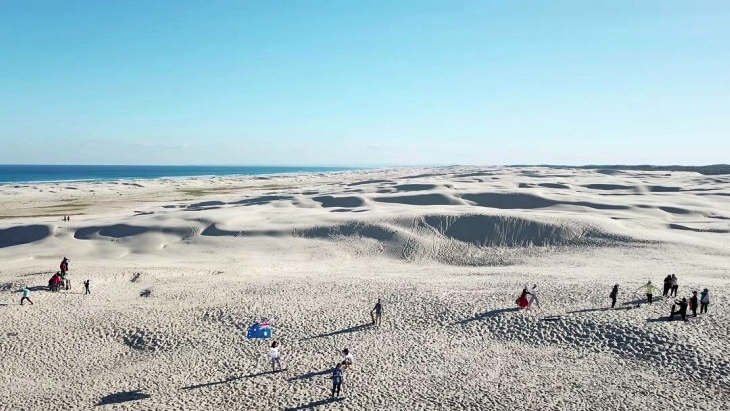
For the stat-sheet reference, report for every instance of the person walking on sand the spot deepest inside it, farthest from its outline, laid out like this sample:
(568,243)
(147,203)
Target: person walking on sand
(522,301)
(667,285)
(533,297)
(376,313)
(649,290)
(337,376)
(86,287)
(675,286)
(614,295)
(704,300)
(26,296)
(275,359)
(693,303)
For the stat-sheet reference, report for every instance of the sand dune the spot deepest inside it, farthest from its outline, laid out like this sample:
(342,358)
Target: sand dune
(180,268)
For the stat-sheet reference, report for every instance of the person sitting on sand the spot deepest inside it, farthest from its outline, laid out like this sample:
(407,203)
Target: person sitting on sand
(649,290)
(522,301)
(682,309)
(376,313)
(56,282)
(613,296)
(275,359)
(337,377)
(704,300)
(26,296)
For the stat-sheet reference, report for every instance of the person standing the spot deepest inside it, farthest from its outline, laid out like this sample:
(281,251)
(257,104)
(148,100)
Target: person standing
(26,296)
(376,313)
(693,303)
(675,285)
(337,376)
(64,266)
(86,287)
(275,359)
(667,284)
(704,300)
(348,359)
(522,301)
(614,295)
(533,297)
(649,290)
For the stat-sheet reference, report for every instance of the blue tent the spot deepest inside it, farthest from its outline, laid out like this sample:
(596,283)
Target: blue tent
(262,330)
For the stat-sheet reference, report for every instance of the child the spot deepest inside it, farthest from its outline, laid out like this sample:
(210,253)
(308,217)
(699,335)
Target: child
(26,296)
(693,303)
(275,360)
(337,376)
(533,297)
(348,359)
(522,301)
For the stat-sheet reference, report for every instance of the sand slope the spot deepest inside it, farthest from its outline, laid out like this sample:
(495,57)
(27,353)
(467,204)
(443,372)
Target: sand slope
(180,268)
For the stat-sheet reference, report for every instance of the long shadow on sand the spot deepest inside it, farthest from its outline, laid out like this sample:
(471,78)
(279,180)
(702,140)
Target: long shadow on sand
(354,329)
(121,397)
(310,375)
(644,301)
(588,310)
(226,381)
(314,404)
(488,314)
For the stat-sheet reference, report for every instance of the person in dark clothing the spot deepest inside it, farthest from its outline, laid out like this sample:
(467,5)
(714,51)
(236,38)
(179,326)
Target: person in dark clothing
(613,295)
(337,376)
(693,303)
(682,309)
(376,313)
(86,286)
(704,300)
(667,284)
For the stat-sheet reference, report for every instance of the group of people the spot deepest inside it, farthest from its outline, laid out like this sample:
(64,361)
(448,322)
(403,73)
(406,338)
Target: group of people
(59,281)
(67,218)
(338,373)
(671,287)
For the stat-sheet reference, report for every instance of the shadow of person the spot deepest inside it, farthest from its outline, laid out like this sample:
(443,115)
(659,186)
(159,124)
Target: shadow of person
(121,397)
(314,404)
(354,329)
(227,380)
(310,375)
(488,314)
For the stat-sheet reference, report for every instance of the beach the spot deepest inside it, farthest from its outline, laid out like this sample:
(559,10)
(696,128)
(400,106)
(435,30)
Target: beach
(180,268)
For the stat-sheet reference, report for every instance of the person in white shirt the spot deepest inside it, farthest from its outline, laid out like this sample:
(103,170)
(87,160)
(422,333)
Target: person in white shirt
(348,359)
(533,297)
(275,359)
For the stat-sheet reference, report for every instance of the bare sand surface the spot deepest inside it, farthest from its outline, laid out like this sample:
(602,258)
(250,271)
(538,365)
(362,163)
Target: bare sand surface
(180,268)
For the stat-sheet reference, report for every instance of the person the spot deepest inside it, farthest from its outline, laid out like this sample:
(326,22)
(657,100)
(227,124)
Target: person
(522,301)
(275,359)
(682,309)
(667,284)
(649,290)
(675,286)
(337,375)
(64,266)
(693,303)
(614,295)
(704,300)
(348,358)
(26,296)
(56,282)
(86,286)
(376,313)
(533,297)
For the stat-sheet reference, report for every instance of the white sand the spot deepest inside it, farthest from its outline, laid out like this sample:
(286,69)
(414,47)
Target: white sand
(180,268)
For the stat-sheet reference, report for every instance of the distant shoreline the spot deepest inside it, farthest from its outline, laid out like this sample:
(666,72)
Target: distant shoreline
(43,174)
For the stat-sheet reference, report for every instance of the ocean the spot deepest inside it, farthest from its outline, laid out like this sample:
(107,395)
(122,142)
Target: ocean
(18,174)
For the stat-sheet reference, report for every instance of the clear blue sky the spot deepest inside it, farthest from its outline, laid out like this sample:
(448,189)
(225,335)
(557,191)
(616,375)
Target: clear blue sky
(364,82)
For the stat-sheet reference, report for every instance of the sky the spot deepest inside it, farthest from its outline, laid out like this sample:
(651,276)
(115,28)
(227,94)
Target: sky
(364,83)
